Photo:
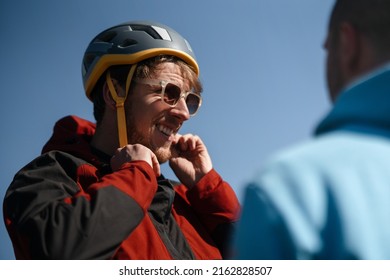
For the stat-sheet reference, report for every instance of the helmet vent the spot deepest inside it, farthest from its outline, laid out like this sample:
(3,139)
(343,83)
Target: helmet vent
(127,43)
(107,36)
(147,29)
(88,60)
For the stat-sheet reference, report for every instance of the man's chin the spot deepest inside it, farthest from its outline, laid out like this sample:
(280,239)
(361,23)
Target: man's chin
(163,154)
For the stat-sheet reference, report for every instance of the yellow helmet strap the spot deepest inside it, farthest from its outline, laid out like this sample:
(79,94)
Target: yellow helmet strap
(120,105)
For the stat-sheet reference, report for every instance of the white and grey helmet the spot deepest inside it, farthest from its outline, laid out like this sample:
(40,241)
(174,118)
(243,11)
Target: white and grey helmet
(130,43)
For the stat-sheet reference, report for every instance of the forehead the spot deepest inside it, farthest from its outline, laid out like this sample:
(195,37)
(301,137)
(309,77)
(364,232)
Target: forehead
(171,72)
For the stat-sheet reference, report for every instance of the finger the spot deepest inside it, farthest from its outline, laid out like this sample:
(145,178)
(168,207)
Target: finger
(175,150)
(186,142)
(175,146)
(193,142)
(183,143)
(155,165)
(176,138)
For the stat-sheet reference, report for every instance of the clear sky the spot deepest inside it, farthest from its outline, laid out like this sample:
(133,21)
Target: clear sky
(261,64)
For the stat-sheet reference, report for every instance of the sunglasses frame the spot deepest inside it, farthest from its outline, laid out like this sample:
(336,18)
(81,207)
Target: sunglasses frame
(163,84)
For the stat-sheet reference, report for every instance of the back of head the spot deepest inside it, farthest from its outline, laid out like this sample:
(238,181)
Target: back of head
(370,17)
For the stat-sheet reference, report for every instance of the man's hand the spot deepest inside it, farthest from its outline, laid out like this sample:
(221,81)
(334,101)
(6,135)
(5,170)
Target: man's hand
(190,159)
(135,152)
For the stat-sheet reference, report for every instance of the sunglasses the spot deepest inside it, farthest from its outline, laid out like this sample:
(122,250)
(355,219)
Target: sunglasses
(171,94)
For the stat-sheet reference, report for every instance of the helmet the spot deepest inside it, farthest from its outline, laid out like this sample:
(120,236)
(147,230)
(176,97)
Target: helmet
(130,43)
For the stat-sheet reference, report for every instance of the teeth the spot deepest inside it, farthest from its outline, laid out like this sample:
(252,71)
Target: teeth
(165,130)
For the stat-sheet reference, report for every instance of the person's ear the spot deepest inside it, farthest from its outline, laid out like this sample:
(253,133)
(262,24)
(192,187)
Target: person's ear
(349,46)
(110,102)
(108,98)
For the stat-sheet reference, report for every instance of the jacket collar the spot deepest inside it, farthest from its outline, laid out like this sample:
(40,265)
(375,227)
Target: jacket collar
(362,107)
(73,135)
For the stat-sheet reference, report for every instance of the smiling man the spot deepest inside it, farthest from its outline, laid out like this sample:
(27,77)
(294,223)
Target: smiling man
(97,192)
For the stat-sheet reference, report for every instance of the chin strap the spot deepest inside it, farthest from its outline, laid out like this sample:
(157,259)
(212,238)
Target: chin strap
(120,105)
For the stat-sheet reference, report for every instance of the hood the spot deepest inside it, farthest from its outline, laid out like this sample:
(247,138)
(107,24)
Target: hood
(72,135)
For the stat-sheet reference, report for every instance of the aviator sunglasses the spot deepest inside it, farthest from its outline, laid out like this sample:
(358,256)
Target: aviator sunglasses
(171,94)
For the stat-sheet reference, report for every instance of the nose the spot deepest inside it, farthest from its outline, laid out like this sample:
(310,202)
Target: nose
(180,110)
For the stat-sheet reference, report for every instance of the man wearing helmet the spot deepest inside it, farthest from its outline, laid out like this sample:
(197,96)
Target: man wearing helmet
(97,192)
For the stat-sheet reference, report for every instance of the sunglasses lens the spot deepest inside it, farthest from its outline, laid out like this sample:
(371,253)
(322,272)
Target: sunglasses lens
(192,102)
(171,94)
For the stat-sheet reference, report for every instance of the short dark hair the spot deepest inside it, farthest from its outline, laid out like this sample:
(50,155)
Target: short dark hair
(370,17)
(144,69)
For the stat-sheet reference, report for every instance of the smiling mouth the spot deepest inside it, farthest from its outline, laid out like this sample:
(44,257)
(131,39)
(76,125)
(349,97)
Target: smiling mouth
(165,130)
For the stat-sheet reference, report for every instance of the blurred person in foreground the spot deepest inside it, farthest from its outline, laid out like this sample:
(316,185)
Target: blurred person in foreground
(97,192)
(329,198)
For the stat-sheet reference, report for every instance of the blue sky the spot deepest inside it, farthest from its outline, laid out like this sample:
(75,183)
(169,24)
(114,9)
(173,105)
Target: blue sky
(261,64)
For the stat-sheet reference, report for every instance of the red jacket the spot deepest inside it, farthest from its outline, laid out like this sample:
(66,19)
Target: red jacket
(68,204)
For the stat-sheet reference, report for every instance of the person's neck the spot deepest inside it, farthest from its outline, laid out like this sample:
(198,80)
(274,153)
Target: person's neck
(105,139)
(368,74)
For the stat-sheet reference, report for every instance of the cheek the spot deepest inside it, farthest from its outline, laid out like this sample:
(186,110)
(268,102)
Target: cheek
(144,112)
(136,105)
(334,76)
(328,69)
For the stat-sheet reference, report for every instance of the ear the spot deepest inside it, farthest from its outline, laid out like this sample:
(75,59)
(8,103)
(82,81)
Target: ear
(110,102)
(350,47)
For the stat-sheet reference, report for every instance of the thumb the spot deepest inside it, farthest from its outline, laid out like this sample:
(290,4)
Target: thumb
(156,165)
